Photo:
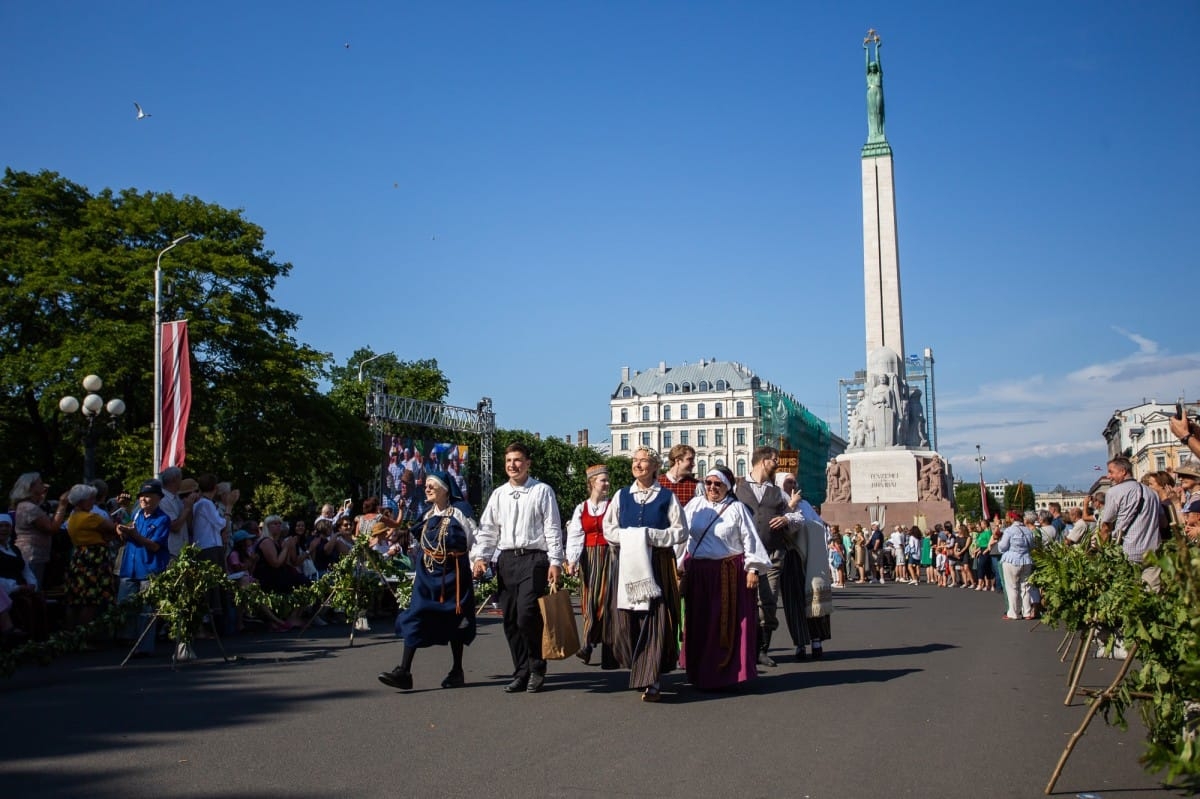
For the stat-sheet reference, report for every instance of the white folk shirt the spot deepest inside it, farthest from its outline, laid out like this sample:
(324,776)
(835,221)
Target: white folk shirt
(520,517)
(575,534)
(733,533)
(673,535)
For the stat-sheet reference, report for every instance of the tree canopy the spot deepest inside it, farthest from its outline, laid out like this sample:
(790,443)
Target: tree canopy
(78,299)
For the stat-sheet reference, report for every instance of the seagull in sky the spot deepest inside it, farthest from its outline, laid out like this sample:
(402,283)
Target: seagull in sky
(347,45)
(140,113)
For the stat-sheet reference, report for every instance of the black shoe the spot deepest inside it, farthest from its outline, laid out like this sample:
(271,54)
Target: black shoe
(585,655)
(765,660)
(802,654)
(396,678)
(517,686)
(455,679)
(536,681)
(818,653)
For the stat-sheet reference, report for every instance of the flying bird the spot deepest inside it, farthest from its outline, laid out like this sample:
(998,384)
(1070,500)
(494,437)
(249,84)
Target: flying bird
(346,45)
(141,114)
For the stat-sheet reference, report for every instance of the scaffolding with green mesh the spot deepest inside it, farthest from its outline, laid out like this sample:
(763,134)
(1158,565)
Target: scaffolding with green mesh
(786,424)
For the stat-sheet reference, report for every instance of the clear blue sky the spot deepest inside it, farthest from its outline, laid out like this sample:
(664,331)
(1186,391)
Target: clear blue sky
(539,193)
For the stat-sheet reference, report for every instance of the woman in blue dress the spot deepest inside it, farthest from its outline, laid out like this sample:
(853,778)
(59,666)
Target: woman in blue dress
(442,608)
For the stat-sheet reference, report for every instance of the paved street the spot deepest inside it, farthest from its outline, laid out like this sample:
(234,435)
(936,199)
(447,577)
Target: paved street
(923,692)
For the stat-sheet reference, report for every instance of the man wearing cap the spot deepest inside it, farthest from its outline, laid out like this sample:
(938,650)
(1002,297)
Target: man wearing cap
(145,555)
(1191,521)
(521,521)
(1188,475)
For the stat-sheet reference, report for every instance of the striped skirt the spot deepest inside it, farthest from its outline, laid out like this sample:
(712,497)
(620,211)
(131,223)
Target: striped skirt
(802,627)
(647,641)
(596,595)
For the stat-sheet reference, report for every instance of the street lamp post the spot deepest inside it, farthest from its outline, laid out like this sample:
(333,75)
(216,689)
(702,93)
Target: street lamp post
(91,407)
(157,454)
(980,458)
(367,361)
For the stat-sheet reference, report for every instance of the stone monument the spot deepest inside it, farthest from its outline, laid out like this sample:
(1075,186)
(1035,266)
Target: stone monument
(888,468)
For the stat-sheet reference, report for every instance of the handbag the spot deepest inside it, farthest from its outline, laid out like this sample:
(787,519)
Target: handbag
(560,636)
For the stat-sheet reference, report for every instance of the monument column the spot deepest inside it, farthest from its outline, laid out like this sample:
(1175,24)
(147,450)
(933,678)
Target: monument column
(881,261)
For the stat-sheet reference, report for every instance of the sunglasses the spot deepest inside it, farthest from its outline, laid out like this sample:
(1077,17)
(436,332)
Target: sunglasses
(713,483)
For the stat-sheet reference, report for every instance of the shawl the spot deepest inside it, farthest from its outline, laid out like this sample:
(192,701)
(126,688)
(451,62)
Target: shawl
(637,586)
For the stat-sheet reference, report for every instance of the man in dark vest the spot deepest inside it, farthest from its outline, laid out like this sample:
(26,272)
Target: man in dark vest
(772,520)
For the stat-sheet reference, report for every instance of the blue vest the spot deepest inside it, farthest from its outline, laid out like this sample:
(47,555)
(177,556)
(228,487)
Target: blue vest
(653,514)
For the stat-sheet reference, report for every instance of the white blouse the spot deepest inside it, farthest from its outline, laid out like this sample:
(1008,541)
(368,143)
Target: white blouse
(731,534)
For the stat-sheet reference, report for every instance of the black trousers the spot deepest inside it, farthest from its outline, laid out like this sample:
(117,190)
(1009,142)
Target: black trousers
(523,578)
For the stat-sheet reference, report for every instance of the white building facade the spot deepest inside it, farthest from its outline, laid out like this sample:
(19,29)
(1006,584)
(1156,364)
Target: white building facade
(708,405)
(1142,434)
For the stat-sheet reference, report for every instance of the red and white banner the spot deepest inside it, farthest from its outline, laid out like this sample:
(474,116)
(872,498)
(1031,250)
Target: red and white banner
(176,392)
(983,492)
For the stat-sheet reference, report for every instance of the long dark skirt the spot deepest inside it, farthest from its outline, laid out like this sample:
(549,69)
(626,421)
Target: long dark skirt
(442,608)
(647,641)
(720,629)
(803,627)
(596,589)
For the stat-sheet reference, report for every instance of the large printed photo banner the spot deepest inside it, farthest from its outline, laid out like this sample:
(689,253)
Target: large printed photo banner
(409,460)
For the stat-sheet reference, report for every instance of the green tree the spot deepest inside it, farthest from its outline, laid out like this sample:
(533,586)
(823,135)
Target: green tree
(1018,497)
(967,504)
(560,465)
(78,298)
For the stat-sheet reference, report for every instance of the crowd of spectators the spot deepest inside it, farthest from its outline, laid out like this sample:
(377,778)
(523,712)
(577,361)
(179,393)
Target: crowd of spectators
(63,562)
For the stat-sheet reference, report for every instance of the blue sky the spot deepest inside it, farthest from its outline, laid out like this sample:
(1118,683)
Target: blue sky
(539,193)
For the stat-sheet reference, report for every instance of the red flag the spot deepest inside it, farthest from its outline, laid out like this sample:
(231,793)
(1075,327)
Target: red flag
(176,392)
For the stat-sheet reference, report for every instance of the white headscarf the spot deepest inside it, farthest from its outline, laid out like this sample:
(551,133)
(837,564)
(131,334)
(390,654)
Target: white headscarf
(717,473)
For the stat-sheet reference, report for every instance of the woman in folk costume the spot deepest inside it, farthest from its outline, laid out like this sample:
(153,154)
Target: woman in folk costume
(724,559)
(644,521)
(588,556)
(806,585)
(442,608)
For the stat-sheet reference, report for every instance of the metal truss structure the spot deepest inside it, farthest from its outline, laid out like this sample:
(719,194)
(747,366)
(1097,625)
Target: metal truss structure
(481,421)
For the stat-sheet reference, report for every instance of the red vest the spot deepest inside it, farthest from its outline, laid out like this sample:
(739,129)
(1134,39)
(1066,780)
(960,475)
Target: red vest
(593,527)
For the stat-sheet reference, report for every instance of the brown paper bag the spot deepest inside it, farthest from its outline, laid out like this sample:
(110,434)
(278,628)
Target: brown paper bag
(560,636)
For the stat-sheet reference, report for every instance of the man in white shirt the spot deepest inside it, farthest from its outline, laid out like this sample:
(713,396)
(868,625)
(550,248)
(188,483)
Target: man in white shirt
(177,503)
(522,522)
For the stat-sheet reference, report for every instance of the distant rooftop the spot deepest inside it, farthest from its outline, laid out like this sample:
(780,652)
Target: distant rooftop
(702,376)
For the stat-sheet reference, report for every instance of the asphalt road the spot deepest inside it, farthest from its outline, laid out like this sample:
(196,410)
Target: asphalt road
(923,692)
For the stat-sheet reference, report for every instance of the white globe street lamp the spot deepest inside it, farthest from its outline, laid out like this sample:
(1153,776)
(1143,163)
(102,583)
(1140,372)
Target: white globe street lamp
(91,407)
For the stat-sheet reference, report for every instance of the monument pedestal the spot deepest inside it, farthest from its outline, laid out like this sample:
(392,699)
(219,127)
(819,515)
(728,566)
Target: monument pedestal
(893,486)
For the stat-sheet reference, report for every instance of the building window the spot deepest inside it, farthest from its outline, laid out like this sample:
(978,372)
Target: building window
(718,437)
(646,439)
(740,408)
(740,436)
(683,437)
(741,467)
(626,391)
(701,438)
(687,387)
(1160,462)
(717,409)
(704,386)
(624,442)
(703,469)
(700,410)
(666,413)
(722,385)
(667,439)
(720,462)
(669,388)
(624,416)
(682,411)
(645,413)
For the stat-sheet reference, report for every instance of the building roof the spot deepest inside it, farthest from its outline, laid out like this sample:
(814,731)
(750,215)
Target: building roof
(704,375)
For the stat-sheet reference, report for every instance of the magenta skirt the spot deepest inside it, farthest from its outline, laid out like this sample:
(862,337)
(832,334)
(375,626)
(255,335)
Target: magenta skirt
(720,626)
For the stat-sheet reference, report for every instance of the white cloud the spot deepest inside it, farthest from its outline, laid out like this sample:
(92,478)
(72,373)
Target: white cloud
(1047,431)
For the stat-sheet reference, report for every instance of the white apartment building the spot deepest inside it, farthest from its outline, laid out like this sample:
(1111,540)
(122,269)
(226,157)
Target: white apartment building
(708,405)
(1143,435)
